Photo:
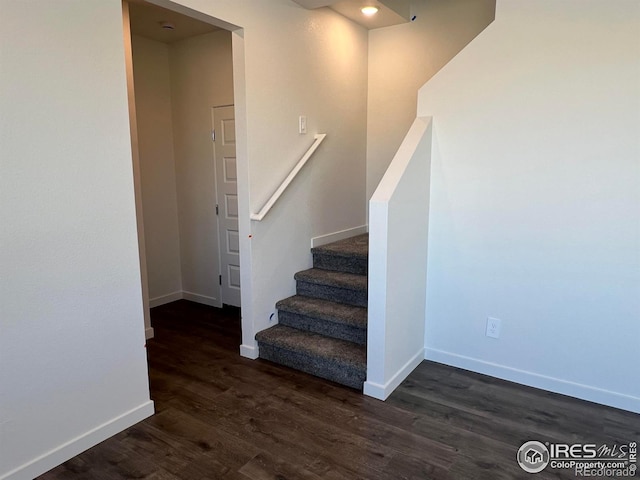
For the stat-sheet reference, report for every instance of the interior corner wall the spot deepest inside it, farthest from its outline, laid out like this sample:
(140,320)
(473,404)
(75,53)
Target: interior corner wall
(322,75)
(401,59)
(73,365)
(296,62)
(157,166)
(135,163)
(201,71)
(534,213)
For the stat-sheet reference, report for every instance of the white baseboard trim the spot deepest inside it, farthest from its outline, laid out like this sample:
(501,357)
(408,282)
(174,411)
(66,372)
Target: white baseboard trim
(249,351)
(194,297)
(68,450)
(203,299)
(161,300)
(382,392)
(148,333)
(531,379)
(335,236)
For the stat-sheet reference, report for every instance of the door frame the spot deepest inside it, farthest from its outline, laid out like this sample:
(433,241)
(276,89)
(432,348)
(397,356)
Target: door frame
(248,348)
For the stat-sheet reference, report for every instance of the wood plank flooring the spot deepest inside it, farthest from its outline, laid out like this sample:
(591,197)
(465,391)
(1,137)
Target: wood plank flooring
(220,416)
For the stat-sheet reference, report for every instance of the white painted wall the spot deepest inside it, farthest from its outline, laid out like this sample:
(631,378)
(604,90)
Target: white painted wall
(201,78)
(157,166)
(135,161)
(72,369)
(72,358)
(176,86)
(401,59)
(291,62)
(398,264)
(325,76)
(535,190)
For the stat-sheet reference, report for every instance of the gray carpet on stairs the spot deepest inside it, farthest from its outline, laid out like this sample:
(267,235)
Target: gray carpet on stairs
(323,329)
(337,360)
(350,255)
(354,247)
(332,319)
(341,287)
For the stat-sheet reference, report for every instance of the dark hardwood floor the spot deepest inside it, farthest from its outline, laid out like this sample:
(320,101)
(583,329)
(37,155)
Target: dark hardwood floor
(220,416)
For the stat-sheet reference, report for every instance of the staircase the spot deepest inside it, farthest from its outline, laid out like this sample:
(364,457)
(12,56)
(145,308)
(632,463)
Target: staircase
(323,329)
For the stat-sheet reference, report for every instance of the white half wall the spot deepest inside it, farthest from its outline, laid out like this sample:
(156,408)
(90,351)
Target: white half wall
(73,365)
(534,213)
(401,59)
(398,232)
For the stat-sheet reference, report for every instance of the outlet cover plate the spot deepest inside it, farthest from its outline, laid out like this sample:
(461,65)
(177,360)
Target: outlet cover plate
(494,326)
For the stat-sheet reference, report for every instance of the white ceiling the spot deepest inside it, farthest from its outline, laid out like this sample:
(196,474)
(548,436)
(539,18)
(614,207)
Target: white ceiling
(311,4)
(391,12)
(146,20)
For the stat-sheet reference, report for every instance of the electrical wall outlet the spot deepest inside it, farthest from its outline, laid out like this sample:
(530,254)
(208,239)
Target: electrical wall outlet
(493,327)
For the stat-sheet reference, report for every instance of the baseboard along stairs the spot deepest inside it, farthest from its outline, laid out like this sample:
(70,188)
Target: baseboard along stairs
(322,330)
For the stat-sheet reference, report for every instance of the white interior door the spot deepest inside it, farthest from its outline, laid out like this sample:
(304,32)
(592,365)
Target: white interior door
(224,135)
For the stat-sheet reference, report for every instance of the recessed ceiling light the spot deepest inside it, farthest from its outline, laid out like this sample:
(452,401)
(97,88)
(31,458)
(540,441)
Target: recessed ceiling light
(368,11)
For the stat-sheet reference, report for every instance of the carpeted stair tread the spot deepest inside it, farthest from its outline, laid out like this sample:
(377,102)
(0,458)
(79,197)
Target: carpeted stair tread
(325,310)
(354,247)
(325,317)
(349,256)
(333,279)
(316,345)
(322,330)
(340,287)
(337,360)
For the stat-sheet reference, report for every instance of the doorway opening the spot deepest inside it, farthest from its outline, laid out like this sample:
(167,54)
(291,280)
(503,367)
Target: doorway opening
(181,83)
(224,141)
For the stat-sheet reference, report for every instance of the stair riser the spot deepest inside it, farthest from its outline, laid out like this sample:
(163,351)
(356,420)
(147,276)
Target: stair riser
(314,366)
(336,294)
(323,327)
(359,266)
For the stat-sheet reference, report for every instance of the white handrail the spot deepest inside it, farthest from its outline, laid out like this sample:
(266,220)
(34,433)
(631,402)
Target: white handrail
(319,137)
